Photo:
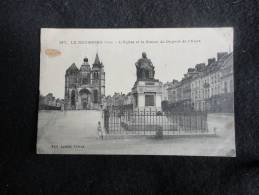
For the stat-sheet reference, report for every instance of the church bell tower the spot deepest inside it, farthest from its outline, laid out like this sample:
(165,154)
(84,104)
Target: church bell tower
(98,79)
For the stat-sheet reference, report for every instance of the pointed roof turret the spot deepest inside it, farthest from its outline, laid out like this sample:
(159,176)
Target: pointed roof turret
(97,63)
(97,60)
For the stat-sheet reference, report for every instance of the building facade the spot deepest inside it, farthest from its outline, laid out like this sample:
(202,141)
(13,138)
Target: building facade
(179,92)
(85,87)
(49,102)
(118,101)
(206,87)
(172,91)
(165,91)
(227,82)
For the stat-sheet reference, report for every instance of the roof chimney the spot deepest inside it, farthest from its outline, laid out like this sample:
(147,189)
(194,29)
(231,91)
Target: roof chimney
(200,67)
(211,60)
(191,70)
(175,81)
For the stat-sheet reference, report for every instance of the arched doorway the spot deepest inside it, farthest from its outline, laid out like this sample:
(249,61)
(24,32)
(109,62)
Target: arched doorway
(84,103)
(85,98)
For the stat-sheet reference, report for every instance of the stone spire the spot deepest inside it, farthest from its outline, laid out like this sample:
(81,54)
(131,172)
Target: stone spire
(97,60)
(97,63)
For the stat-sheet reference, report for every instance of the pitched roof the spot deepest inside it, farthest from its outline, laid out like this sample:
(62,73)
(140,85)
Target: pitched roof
(72,69)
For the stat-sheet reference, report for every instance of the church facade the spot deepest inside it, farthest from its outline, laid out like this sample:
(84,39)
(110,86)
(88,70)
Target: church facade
(85,86)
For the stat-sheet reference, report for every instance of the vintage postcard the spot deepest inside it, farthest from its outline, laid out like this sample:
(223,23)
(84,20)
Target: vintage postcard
(156,91)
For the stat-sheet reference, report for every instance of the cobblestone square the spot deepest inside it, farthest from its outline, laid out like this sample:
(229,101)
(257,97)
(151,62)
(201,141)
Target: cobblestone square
(75,132)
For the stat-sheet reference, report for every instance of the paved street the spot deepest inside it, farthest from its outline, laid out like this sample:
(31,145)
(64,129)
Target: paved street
(76,132)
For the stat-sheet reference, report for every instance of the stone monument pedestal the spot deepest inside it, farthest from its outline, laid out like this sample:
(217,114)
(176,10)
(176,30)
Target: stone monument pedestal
(147,91)
(147,95)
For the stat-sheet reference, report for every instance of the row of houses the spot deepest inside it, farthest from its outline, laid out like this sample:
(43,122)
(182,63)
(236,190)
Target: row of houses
(118,100)
(49,102)
(206,87)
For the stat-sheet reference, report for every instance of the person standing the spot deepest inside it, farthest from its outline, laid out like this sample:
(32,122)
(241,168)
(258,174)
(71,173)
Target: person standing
(99,130)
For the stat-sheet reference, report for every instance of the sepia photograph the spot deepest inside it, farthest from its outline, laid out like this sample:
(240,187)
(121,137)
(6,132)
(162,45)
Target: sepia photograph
(146,91)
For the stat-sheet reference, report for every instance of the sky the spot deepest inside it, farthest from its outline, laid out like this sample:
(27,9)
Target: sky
(171,50)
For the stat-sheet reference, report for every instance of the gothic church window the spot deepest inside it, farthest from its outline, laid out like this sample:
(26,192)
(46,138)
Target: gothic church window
(88,78)
(95,96)
(96,75)
(73,98)
(84,81)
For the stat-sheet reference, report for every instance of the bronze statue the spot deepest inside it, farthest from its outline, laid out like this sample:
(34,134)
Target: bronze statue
(145,68)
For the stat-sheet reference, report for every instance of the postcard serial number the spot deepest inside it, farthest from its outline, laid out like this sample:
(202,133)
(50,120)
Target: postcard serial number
(56,146)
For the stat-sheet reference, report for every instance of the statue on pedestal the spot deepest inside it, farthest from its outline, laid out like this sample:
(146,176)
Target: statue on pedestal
(145,68)
(147,91)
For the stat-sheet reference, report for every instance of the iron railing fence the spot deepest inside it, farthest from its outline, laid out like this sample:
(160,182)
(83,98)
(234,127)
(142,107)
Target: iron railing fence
(150,122)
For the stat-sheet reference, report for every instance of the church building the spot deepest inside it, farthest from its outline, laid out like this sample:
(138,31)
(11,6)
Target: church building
(85,87)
